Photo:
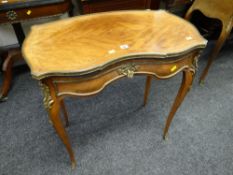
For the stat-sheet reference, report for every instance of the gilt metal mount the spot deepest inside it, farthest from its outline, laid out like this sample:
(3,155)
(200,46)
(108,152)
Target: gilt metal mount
(47,100)
(128,70)
(195,61)
(11,15)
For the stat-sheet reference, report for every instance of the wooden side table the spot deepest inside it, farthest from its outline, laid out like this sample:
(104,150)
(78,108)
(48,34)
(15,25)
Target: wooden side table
(82,55)
(14,12)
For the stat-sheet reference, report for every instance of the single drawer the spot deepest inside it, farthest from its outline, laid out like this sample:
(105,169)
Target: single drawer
(92,84)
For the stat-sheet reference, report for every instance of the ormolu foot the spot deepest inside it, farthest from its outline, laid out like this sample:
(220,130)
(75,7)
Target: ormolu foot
(73,165)
(2,98)
(202,82)
(165,137)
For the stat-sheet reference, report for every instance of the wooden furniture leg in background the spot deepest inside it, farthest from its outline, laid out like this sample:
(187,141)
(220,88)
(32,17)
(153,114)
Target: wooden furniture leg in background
(226,30)
(8,63)
(71,10)
(147,89)
(19,33)
(65,114)
(184,88)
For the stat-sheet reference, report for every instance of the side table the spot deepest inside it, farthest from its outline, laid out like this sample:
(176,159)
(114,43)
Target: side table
(82,55)
(14,12)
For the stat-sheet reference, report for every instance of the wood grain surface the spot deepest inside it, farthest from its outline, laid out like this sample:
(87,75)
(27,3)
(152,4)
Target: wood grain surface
(87,43)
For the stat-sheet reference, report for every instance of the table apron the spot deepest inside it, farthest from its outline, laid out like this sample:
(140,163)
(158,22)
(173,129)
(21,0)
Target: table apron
(93,84)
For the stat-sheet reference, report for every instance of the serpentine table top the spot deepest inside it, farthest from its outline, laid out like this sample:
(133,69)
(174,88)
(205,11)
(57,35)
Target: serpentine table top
(82,55)
(88,43)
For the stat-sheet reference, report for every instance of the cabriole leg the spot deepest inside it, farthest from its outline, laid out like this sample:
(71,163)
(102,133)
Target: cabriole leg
(53,105)
(184,88)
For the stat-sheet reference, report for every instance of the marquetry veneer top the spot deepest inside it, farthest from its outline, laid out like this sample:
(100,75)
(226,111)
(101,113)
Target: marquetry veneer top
(83,44)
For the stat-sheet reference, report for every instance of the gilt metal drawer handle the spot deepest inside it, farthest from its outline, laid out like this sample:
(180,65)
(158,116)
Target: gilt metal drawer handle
(128,70)
(11,15)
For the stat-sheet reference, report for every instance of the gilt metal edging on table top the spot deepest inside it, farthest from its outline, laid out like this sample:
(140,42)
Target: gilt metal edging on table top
(135,66)
(120,59)
(47,100)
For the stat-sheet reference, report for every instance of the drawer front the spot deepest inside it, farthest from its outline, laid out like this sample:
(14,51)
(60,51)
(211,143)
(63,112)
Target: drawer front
(90,85)
(106,5)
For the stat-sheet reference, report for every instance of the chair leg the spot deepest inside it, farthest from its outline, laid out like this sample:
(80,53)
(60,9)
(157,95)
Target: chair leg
(221,40)
(188,14)
(147,89)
